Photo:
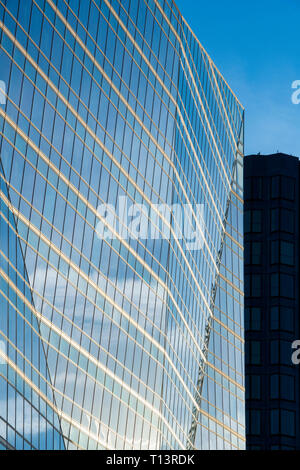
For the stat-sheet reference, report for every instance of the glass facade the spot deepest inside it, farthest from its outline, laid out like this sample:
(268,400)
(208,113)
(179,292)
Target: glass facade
(117,342)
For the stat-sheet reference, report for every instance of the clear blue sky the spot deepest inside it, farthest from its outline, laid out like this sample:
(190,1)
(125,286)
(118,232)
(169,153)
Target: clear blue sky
(256,46)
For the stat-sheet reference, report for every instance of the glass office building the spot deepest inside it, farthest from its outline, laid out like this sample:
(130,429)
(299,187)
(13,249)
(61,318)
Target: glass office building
(272,321)
(115,341)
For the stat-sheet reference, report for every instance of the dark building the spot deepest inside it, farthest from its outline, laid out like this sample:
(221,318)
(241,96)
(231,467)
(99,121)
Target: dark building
(271,225)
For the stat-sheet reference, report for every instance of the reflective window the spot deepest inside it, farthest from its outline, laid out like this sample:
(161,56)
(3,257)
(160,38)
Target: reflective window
(275,252)
(252,318)
(282,318)
(287,422)
(253,221)
(253,188)
(253,285)
(253,352)
(254,422)
(253,252)
(253,387)
(282,285)
(287,253)
(275,187)
(274,387)
(274,418)
(282,220)
(275,220)
(92,117)
(283,187)
(280,352)
(287,188)
(282,252)
(287,221)
(282,387)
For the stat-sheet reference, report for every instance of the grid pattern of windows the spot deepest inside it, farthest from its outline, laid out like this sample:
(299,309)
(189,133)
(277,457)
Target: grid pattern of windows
(253,318)
(253,221)
(109,99)
(282,318)
(282,252)
(253,252)
(282,220)
(283,187)
(282,387)
(254,188)
(27,419)
(282,285)
(253,387)
(271,301)
(283,422)
(253,285)
(254,421)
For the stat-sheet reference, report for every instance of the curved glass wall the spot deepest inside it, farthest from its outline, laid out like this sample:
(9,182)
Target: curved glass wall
(111,113)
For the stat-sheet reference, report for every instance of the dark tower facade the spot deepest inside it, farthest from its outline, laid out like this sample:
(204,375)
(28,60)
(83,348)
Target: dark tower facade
(271,226)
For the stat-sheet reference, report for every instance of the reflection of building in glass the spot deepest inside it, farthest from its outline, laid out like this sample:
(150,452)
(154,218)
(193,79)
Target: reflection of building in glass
(107,339)
(272,301)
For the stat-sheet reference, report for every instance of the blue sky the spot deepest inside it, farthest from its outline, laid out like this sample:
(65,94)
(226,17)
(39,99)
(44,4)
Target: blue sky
(256,46)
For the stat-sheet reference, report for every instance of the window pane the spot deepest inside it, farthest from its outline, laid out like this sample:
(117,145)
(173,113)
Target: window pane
(247,386)
(256,252)
(287,253)
(275,252)
(287,319)
(247,221)
(274,220)
(275,187)
(287,188)
(253,318)
(257,188)
(247,285)
(255,387)
(274,352)
(288,422)
(275,285)
(247,253)
(286,286)
(255,352)
(274,385)
(256,315)
(256,221)
(247,318)
(285,353)
(274,318)
(255,422)
(247,188)
(287,387)
(287,221)
(256,285)
(274,421)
